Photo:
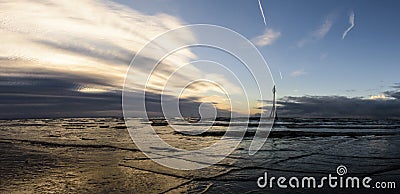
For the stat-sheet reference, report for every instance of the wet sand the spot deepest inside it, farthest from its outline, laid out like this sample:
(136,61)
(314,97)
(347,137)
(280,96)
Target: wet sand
(98,156)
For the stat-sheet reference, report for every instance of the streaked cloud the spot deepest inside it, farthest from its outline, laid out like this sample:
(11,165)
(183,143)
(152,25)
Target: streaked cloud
(323,29)
(319,33)
(267,38)
(262,12)
(351,21)
(91,90)
(89,44)
(90,38)
(297,73)
(396,86)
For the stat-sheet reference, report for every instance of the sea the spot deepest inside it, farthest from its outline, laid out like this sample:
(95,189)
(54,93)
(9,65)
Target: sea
(97,155)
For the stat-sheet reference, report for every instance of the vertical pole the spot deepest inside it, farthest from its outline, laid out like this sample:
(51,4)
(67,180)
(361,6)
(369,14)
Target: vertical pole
(273,110)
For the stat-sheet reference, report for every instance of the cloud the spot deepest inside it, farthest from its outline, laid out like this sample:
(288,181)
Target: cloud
(379,97)
(393,94)
(323,29)
(297,73)
(350,90)
(90,38)
(57,98)
(31,97)
(85,47)
(396,86)
(319,33)
(338,106)
(351,21)
(267,38)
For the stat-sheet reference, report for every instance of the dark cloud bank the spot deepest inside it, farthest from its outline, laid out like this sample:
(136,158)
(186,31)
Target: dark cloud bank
(54,97)
(340,107)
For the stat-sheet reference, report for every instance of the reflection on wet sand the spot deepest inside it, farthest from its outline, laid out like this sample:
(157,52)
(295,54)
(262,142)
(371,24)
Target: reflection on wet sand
(98,156)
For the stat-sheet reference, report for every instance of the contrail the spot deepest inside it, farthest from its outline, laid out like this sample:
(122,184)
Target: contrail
(262,12)
(351,21)
(280,74)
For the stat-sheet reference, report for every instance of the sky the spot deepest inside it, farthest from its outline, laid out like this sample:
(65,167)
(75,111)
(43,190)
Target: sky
(333,58)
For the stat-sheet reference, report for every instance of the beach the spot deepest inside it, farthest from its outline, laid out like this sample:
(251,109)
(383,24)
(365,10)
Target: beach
(97,155)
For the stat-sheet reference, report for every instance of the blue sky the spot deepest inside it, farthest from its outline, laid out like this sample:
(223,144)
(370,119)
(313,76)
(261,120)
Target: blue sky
(364,63)
(68,58)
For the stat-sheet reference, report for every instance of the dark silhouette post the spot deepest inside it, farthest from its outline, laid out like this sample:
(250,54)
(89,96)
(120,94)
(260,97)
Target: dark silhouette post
(273,110)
